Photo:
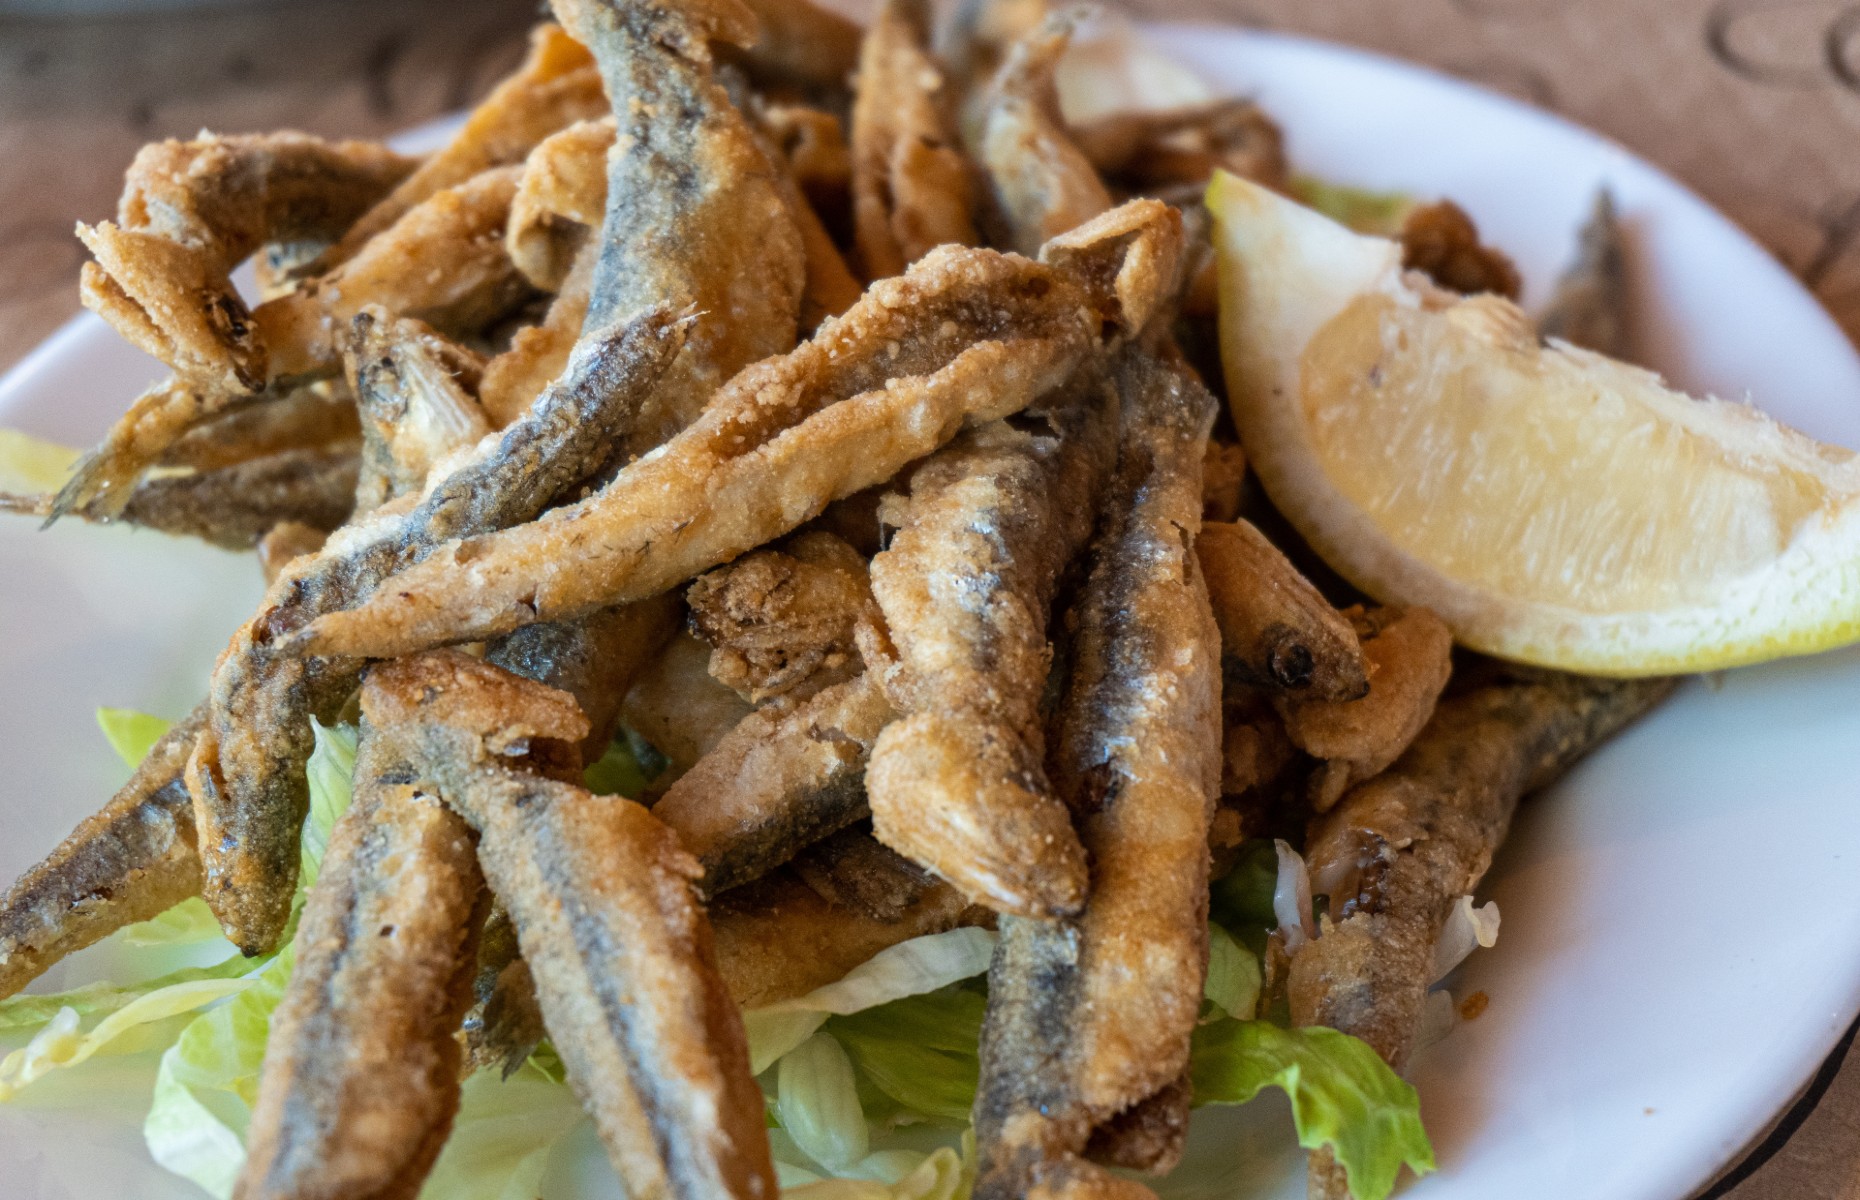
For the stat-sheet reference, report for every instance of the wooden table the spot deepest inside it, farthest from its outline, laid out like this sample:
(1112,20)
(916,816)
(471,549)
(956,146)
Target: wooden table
(1755,103)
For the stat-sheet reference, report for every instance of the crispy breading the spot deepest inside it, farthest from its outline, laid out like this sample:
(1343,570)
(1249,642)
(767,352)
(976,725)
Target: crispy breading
(1040,182)
(910,185)
(1441,241)
(1590,306)
(677,706)
(443,262)
(1277,631)
(538,353)
(362,1065)
(814,143)
(560,197)
(232,506)
(412,390)
(784,616)
(778,938)
(130,861)
(1409,659)
(1399,849)
(966,336)
(785,776)
(247,772)
(191,212)
(607,919)
(1088,1017)
(319,415)
(966,585)
(694,215)
(1158,150)
(1149,1135)
(555,86)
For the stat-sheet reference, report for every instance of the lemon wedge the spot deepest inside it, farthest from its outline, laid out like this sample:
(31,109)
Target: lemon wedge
(1554,506)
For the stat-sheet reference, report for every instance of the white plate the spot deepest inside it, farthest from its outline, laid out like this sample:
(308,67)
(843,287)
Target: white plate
(1682,936)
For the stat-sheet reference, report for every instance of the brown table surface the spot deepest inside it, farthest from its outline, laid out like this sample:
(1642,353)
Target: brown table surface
(1754,103)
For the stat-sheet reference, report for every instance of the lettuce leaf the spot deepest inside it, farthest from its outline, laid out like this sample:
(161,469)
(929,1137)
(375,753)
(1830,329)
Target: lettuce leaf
(207,1082)
(920,1051)
(101,999)
(817,1102)
(1233,975)
(332,783)
(130,733)
(503,1138)
(1343,1095)
(910,968)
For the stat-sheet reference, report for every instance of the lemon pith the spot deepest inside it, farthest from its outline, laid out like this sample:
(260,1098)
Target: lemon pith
(1554,506)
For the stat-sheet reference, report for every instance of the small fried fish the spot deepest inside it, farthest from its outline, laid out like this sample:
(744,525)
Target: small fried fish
(131,861)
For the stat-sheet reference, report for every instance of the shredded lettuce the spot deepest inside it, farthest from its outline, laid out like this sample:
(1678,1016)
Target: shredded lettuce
(207,1082)
(30,464)
(101,999)
(1343,1095)
(922,964)
(817,1102)
(505,1134)
(1233,975)
(188,923)
(130,733)
(939,1175)
(332,780)
(920,1051)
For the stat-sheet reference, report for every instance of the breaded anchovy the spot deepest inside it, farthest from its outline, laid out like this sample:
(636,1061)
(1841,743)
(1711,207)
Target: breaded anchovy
(695,215)
(1040,182)
(787,775)
(779,938)
(247,772)
(594,659)
(1277,631)
(362,1065)
(785,618)
(856,871)
(910,185)
(555,86)
(966,336)
(412,392)
(1589,308)
(1153,150)
(318,415)
(966,584)
(1409,655)
(133,860)
(504,1025)
(1091,1016)
(442,263)
(191,212)
(1398,850)
(1440,240)
(233,506)
(608,921)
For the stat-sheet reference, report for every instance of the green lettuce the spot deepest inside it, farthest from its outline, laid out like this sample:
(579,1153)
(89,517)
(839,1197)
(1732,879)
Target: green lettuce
(130,733)
(920,1051)
(1343,1095)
